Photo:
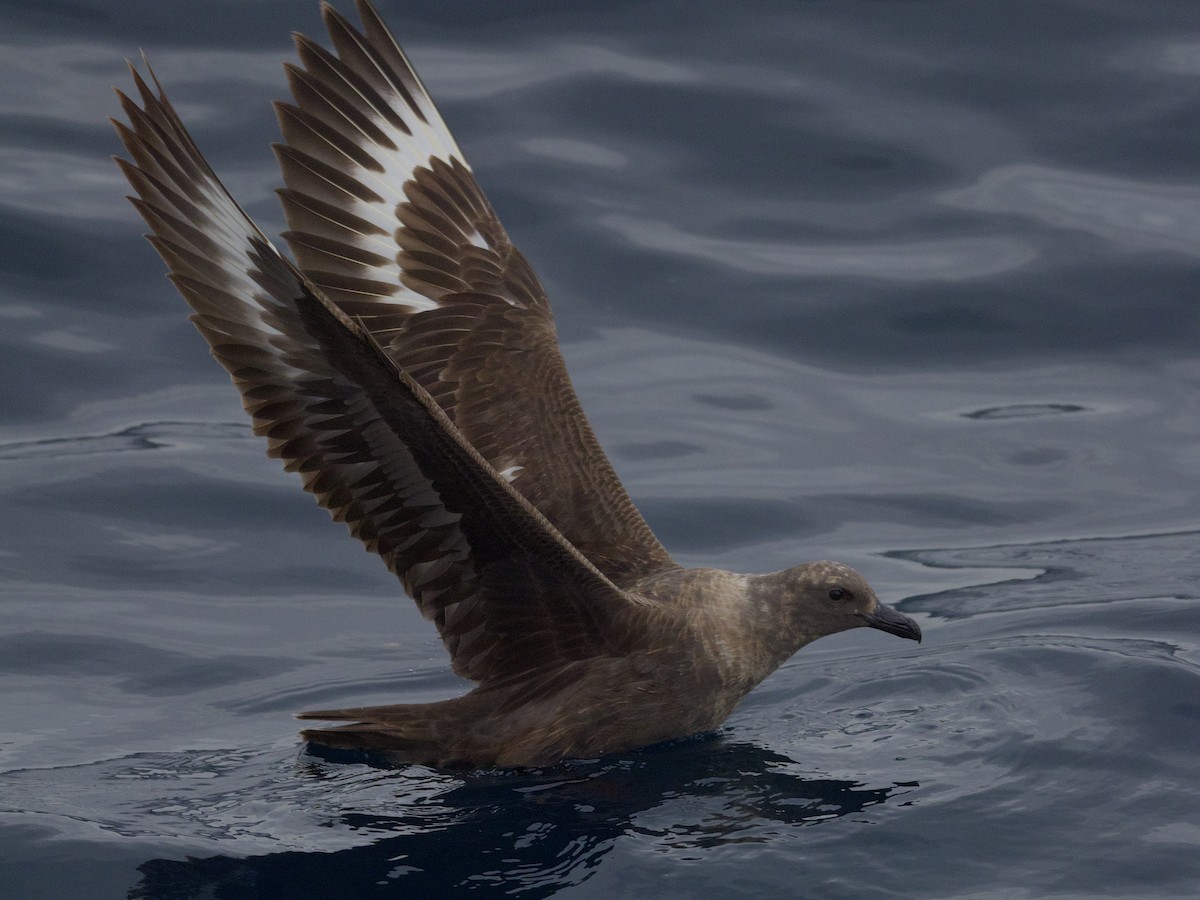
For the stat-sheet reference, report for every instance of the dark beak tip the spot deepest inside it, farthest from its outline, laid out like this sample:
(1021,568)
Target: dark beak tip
(887,619)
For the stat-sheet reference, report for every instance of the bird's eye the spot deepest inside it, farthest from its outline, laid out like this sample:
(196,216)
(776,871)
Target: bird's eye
(839,594)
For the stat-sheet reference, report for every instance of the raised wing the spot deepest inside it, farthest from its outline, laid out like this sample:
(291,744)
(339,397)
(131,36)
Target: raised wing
(508,593)
(386,218)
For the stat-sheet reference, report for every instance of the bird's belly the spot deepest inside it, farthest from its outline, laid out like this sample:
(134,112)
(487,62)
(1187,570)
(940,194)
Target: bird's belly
(618,705)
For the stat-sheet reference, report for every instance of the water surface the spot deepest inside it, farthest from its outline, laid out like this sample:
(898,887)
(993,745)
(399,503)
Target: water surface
(909,285)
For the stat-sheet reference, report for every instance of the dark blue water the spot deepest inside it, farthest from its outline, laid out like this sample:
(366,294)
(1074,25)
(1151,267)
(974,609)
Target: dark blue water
(910,285)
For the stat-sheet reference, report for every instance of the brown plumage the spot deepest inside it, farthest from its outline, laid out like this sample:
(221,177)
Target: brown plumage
(407,369)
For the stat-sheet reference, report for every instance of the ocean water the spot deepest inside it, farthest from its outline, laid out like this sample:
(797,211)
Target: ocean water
(910,285)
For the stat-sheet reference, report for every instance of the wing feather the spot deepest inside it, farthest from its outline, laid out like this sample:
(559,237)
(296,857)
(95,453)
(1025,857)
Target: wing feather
(507,591)
(386,217)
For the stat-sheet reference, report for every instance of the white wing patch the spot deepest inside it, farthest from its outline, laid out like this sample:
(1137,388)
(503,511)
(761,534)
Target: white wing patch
(364,157)
(481,242)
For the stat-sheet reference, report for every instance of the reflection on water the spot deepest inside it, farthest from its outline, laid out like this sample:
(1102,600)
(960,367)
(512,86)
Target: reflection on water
(532,834)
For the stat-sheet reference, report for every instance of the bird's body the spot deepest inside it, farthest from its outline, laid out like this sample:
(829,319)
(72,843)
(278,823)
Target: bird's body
(681,663)
(407,368)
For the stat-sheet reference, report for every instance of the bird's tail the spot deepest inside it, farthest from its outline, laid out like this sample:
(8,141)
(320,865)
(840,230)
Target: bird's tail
(425,733)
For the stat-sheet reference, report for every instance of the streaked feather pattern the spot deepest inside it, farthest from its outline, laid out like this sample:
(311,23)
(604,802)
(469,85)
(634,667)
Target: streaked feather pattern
(508,593)
(386,217)
(408,371)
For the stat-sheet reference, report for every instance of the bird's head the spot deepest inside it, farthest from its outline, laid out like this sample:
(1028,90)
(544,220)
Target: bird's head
(827,597)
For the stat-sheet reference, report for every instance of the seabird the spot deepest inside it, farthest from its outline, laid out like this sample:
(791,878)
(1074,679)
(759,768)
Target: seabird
(406,367)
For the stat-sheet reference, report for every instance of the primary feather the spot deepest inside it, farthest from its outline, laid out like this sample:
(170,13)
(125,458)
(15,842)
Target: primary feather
(407,369)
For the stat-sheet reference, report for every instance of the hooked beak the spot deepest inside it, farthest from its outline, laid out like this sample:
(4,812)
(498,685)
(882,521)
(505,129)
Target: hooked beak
(887,619)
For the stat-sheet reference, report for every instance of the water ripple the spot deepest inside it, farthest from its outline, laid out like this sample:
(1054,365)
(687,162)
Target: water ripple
(1121,568)
(1024,411)
(1130,214)
(943,259)
(143,436)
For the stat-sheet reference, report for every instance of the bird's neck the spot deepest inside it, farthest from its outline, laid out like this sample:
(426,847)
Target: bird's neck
(771,621)
(745,623)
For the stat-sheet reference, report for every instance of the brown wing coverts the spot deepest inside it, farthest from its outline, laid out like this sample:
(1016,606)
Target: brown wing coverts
(388,220)
(506,591)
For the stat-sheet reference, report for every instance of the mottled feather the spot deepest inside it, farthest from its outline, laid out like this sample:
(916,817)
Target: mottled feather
(408,371)
(386,217)
(508,593)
